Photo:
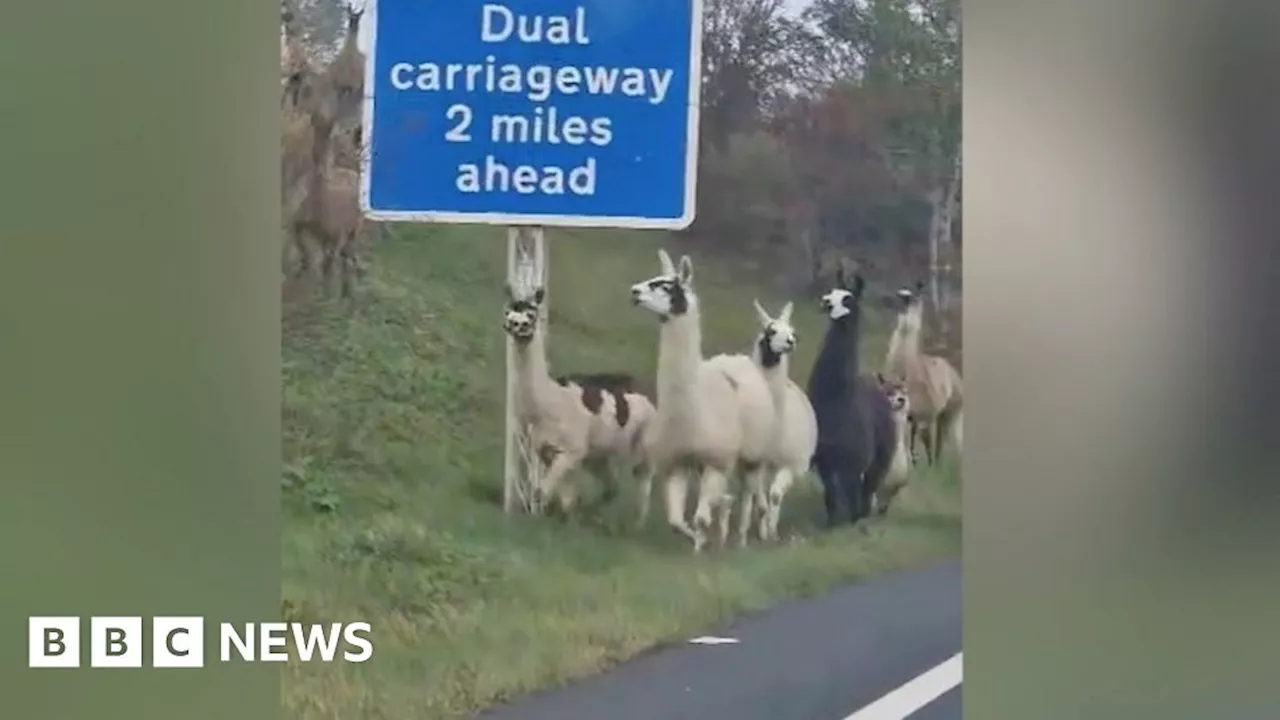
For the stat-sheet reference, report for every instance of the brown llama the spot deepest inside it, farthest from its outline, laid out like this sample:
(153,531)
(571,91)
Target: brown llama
(319,183)
(324,207)
(900,466)
(934,387)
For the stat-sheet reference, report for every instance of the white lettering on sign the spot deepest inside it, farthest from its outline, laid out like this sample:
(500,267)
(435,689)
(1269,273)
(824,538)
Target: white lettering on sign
(540,83)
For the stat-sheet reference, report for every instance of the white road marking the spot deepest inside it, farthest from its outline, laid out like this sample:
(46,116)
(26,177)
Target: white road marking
(917,693)
(713,640)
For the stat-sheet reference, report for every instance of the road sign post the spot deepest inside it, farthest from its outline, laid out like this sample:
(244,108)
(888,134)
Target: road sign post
(521,471)
(544,113)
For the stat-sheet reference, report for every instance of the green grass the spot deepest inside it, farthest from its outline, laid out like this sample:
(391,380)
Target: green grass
(393,454)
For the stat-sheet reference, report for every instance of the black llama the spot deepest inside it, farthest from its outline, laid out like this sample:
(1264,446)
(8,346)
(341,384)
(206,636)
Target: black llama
(856,434)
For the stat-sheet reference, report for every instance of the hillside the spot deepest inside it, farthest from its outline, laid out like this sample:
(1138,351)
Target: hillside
(393,452)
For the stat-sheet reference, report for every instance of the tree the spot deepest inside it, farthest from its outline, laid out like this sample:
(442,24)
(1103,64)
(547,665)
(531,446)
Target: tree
(908,50)
(752,52)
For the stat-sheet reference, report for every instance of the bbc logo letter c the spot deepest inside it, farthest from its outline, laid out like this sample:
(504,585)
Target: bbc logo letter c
(177,642)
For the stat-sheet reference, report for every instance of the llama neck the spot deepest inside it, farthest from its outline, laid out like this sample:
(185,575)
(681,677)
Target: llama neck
(776,372)
(904,347)
(679,356)
(838,357)
(532,378)
(900,423)
(321,158)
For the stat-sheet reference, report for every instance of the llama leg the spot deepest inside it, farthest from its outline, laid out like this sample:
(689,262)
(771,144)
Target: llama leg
(550,481)
(349,265)
(677,492)
(299,240)
(607,474)
(644,492)
(777,493)
(329,252)
(852,476)
(826,469)
(567,493)
(926,439)
(712,489)
(724,516)
(873,479)
(853,484)
(886,495)
(753,500)
(940,426)
(601,470)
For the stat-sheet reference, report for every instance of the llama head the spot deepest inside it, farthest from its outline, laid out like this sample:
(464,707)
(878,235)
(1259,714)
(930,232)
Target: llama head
(520,316)
(910,306)
(896,391)
(669,294)
(842,301)
(777,336)
(353,18)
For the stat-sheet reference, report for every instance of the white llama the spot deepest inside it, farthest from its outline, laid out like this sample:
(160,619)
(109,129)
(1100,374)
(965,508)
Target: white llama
(797,434)
(900,466)
(715,415)
(570,419)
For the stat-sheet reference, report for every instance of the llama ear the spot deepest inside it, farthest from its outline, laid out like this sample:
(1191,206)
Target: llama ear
(785,315)
(686,270)
(858,285)
(880,379)
(760,312)
(920,287)
(539,294)
(668,267)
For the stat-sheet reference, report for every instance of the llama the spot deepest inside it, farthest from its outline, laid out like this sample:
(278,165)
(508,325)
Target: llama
(319,154)
(572,420)
(900,466)
(715,415)
(345,74)
(934,386)
(294,68)
(855,424)
(595,388)
(322,202)
(345,78)
(797,435)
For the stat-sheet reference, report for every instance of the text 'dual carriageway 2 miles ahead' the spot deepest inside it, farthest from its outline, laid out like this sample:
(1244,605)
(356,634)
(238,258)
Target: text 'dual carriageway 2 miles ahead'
(534,112)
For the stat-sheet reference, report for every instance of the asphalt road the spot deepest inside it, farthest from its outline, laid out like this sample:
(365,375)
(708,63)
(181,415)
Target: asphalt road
(821,659)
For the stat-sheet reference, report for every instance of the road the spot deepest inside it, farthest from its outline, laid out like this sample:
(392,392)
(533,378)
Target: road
(885,649)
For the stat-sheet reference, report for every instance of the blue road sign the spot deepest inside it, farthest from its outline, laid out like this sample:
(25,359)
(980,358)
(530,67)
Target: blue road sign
(533,112)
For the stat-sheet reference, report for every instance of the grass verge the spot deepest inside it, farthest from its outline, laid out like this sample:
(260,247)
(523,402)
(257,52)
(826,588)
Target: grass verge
(393,453)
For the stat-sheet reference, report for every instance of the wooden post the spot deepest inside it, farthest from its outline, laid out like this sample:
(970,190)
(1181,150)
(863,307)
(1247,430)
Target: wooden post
(521,465)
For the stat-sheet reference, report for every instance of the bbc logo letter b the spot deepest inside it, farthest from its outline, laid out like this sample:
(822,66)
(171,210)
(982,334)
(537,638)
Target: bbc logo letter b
(53,642)
(115,642)
(177,642)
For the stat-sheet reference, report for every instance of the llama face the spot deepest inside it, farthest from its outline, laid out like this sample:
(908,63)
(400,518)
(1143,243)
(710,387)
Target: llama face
(520,317)
(839,303)
(669,294)
(910,309)
(896,392)
(843,301)
(777,336)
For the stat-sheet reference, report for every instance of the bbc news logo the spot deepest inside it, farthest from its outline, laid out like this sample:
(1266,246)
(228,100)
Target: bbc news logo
(178,642)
